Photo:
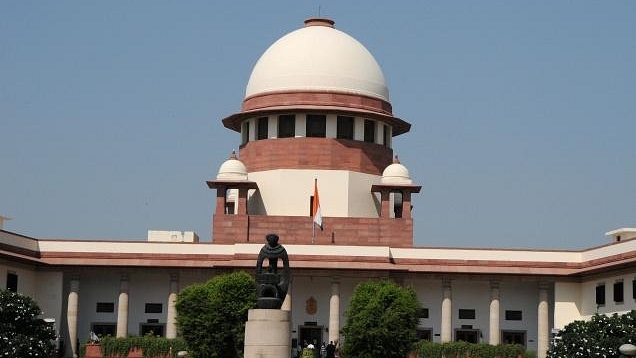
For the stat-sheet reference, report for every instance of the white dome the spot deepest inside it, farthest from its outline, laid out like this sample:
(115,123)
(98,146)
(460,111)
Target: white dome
(396,173)
(232,169)
(318,57)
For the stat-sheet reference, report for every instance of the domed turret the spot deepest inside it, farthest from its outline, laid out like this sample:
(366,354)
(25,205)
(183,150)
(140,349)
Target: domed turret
(396,174)
(232,169)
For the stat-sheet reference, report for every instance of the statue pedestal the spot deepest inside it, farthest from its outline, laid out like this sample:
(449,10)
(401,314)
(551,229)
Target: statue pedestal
(268,334)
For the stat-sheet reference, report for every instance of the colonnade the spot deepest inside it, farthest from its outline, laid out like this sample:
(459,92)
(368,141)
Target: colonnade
(334,312)
(122,309)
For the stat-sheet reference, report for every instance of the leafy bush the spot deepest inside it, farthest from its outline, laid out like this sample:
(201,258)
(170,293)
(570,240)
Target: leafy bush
(23,333)
(381,321)
(211,316)
(599,337)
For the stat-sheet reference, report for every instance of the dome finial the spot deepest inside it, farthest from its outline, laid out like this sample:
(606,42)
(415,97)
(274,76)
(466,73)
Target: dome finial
(233,155)
(319,21)
(396,160)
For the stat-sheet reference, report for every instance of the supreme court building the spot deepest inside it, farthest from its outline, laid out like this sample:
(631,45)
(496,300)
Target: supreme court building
(317,110)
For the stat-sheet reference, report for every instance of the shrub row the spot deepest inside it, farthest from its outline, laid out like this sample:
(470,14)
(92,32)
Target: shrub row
(152,347)
(426,349)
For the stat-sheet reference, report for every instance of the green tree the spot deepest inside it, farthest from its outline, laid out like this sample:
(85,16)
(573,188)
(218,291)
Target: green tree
(381,321)
(599,337)
(211,316)
(23,332)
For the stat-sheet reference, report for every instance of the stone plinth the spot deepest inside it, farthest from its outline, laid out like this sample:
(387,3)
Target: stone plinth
(268,334)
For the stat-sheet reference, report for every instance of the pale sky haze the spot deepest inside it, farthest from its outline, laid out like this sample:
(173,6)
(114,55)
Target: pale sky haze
(523,113)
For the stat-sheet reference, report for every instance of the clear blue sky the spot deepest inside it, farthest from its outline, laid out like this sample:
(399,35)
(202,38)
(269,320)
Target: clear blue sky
(523,112)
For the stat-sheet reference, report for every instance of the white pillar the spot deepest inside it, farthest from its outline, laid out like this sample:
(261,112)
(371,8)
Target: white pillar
(334,311)
(171,320)
(71,314)
(447,310)
(122,308)
(543,334)
(287,302)
(494,336)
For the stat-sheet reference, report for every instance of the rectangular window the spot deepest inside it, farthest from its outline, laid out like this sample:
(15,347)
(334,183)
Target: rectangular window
(466,314)
(513,315)
(467,335)
(345,127)
(634,289)
(600,294)
(618,291)
(154,307)
(385,136)
(513,337)
(286,126)
(316,125)
(262,128)
(151,329)
(424,334)
(422,313)
(245,132)
(12,282)
(104,329)
(369,131)
(105,307)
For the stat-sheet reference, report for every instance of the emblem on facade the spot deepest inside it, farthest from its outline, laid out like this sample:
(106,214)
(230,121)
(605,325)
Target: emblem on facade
(311,306)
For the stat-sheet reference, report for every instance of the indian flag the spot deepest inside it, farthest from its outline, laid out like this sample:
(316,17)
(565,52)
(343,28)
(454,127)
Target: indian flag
(315,210)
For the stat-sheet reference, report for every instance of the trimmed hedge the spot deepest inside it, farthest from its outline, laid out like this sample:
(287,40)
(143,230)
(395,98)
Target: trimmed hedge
(427,349)
(150,346)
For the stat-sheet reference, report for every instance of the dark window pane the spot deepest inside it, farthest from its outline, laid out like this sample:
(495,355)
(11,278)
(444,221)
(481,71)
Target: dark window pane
(105,307)
(12,282)
(600,294)
(104,329)
(422,313)
(512,315)
(618,291)
(467,335)
(316,126)
(385,136)
(466,314)
(513,337)
(154,307)
(369,131)
(151,329)
(345,127)
(261,132)
(286,126)
(424,334)
(245,132)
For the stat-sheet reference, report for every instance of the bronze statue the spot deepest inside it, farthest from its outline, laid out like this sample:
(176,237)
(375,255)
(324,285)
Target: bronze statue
(271,286)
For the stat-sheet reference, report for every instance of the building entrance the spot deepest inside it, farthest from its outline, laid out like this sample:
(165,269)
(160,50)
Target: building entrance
(310,334)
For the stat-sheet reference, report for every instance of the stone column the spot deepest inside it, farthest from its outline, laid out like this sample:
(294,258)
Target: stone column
(71,314)
(122,308)
(171,320)
(385,204)
(447,312)
(287,302)
(543,333)
(220,200)
(334,311)
(494,336)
